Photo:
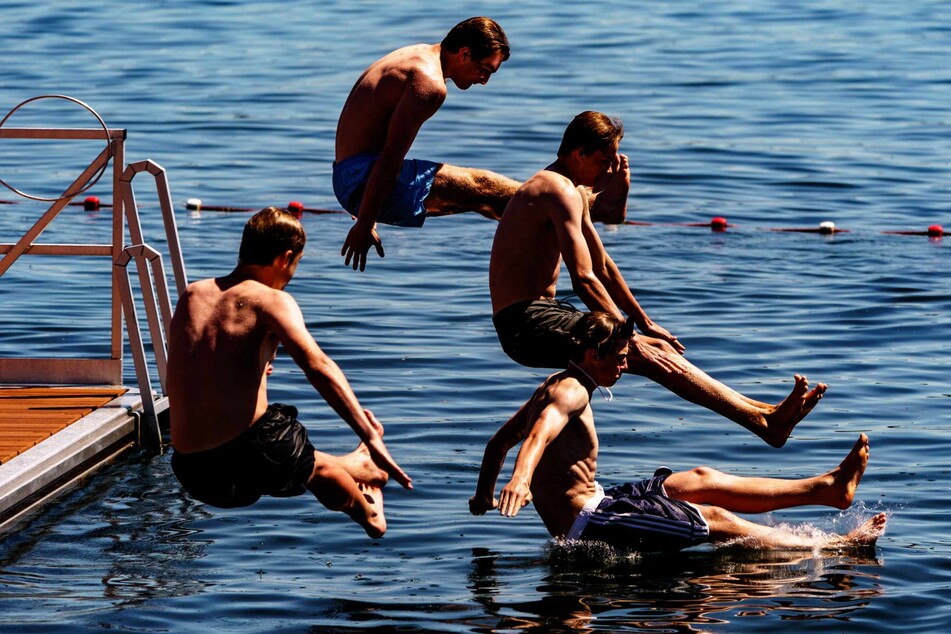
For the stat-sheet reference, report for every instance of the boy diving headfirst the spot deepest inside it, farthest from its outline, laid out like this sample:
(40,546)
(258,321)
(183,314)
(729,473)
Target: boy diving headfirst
(557,462)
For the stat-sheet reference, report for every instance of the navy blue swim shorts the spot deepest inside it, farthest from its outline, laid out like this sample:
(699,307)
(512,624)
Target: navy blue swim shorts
(640,516)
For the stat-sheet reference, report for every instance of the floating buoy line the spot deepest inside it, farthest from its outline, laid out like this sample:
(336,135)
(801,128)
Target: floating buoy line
(716,224)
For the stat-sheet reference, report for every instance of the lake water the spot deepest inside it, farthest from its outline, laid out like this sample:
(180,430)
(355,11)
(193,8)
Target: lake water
(772,114)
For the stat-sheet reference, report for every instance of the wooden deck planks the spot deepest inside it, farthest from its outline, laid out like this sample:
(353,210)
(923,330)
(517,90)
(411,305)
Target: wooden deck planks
(29,415)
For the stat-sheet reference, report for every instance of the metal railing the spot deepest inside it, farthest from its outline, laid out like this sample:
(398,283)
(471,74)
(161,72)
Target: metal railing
(105,369)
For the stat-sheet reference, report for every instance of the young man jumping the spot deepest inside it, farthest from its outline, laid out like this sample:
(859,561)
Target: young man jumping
(230,445)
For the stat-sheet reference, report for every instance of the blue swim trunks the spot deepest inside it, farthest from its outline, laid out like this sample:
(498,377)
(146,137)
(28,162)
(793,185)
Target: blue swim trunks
(640,516)
(404,206)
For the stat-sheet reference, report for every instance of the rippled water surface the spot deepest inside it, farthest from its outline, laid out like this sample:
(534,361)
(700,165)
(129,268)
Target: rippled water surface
(772,114)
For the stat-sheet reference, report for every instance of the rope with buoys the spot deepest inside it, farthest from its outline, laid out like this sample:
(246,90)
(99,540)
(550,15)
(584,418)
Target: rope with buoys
(717,224)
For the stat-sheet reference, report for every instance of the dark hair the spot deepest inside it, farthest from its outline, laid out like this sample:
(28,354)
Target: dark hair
(591,131)
(482,36)
(600,332)
(268,234)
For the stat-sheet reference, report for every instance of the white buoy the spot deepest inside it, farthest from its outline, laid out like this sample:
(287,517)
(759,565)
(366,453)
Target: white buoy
(827,227)
(193,204)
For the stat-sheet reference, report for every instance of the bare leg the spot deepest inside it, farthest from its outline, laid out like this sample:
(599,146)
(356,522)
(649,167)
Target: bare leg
(724,526)
(459,189)
(835,488)
(772,423)
(336,489)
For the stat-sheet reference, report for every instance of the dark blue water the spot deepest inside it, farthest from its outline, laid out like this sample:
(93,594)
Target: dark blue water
(768,113)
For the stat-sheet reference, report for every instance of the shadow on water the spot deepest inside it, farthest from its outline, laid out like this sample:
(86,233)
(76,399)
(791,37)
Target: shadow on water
(595,588)
(142,537)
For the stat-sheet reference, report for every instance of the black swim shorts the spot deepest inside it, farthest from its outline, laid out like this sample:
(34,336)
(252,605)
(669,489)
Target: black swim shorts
(536,333)
(640,516)
(272,457)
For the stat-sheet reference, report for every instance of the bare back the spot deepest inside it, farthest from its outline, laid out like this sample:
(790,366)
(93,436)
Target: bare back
(565,476)
(411,75)
(526,254)
(220,342)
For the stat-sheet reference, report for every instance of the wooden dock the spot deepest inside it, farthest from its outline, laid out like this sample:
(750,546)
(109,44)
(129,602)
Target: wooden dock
(29,415)
(51,436)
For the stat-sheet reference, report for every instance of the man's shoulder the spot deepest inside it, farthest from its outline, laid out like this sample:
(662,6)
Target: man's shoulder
(568,392)
(550,183)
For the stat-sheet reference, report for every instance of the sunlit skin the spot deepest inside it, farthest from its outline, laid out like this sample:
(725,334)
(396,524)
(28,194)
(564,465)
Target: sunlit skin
(221,342)
(551,208)
(556,465)
(383,114)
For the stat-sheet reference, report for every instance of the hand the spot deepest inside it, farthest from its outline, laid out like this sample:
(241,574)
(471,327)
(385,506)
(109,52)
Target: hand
(513,497)
(656,352)
(659,332)
(381,458)
(358,243)
(479,504)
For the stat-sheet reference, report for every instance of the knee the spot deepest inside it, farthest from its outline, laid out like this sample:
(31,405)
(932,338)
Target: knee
(704,477)
(717,517)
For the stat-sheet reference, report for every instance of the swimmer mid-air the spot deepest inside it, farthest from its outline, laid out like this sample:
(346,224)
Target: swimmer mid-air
(230,445)
(552,208)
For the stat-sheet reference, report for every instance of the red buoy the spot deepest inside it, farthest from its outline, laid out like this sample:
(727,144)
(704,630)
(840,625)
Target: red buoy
(296,208)
(935,231)
(91,203)
(718,223)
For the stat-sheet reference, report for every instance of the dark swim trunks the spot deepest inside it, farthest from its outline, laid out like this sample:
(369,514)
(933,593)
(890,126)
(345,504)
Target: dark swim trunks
(640,516)
(272,457)
(536,333)
(404,206)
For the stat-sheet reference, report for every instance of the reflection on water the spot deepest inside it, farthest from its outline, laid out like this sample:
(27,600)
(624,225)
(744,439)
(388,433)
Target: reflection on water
(142,542)
(594,588)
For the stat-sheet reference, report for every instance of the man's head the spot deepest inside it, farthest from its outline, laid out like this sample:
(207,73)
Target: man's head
(270,234)
(479,47)
(601,346)
(590,145)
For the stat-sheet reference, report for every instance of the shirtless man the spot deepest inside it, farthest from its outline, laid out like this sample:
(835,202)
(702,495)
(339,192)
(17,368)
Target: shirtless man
(557,461)
(379,122)
(231,446)
(548,221)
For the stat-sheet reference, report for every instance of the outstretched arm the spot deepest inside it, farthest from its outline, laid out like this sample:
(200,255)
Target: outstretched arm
(329,380)
(420,100)
(493,458)
(517,493)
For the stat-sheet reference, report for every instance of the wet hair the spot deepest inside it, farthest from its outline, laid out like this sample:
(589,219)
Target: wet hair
(482,36)
(269,233)
(591,131)
(600,332)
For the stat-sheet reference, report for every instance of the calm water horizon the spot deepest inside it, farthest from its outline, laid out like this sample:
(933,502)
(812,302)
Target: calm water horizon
(769,114)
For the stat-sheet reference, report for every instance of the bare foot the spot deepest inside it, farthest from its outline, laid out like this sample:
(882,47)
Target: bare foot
(846,477)
(865,535)
(781,421)
(370,515)
(610,196)
(362,468)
